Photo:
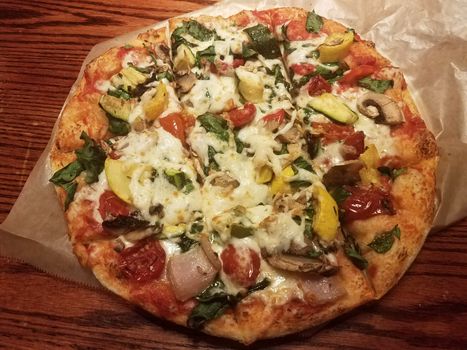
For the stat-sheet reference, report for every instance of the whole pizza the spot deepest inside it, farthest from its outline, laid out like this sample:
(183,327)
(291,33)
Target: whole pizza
(249,176)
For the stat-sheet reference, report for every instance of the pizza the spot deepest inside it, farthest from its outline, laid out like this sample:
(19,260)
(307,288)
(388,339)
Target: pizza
(249,176)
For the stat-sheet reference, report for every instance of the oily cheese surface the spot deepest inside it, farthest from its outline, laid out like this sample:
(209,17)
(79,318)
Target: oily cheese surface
(311,299)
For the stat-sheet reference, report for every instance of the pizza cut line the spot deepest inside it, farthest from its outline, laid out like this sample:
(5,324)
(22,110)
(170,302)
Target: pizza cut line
(250,176)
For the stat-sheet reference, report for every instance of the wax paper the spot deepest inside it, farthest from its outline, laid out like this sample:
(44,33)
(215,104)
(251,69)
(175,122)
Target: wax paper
(426,38)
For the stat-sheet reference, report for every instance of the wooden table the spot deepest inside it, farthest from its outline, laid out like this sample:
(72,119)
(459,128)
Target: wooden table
(42,45)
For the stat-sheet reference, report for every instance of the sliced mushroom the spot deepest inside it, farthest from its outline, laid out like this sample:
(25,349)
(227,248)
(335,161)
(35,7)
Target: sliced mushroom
(322,290)
(381,108)
(345,174)
(162,52)
(225,181)
(293,135)
(302,264)
(186,82)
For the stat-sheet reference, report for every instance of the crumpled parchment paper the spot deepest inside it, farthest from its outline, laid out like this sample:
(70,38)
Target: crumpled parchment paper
(426,38)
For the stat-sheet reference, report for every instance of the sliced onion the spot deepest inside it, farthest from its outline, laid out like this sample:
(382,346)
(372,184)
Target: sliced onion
(206,245)
(322,290)
(190,273)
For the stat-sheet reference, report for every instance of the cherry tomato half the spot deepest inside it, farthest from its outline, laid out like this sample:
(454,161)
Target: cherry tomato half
(318,85)
(142,262)
(175,124)
(241,264)
(356,141)
(365,202)
(111,205)
(237,62)
(296,30)
(332,132)
(277,117)
(242,116)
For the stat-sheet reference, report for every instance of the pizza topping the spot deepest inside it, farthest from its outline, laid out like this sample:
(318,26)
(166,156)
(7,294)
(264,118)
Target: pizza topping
(322,290)
(365,202)
(215,125)
(334,108)
(381,108)
(378,86)
(393,173)
(314,22)
(303,68)
(190,273)
(241,264)
(296,263)
(158,103)
(343,174)
(335,47)
(143,262)
(174,124)
(383,242)
(242,116)
(118,175)
(112,206)
(325,218)
(116,107)
(121,225)
(250,85)
(263,41)
(355,74)
(186,82)
(318,86)
(353,252)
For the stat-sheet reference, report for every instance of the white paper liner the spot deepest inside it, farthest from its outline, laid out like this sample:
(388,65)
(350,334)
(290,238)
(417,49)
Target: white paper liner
(427,39)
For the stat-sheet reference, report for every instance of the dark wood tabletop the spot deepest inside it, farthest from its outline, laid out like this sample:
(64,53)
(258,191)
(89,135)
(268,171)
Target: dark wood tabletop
(42,46)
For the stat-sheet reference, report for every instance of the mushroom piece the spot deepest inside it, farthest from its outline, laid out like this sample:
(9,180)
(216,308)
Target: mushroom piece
(162,52)
(186,82)
(293,135)
(225,181)
(345,174)
(295,263)
(381,108)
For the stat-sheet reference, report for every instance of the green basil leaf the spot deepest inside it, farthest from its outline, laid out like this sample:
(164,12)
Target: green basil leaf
(67,174)
(216,125)
(193,28)
(287,48)
(180,180)
(117,126)
(352,250)
(300,162)
(209,54)
(263,41)
(70,189)
(314,22)
(379,86)
(196,227)
(91,157)
(204,312)
(248,52)
(383,242)
(299,183)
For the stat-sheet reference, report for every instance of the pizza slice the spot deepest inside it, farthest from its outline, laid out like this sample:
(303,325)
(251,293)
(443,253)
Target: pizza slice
(371,146)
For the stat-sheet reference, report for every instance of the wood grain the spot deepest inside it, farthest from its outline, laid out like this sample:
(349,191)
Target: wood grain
(42,45)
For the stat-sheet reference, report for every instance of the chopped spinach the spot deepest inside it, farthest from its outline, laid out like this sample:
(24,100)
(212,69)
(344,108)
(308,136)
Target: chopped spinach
(240,231)
(287,48)
(301,162)
(283,150)
(279,77)
(383,242)
(92,158)
(117,126)
(239,145)
(208,54)
(353,252)
(314,22)
(376,85)
(216,125)
(263,41)
(259,286)
(193,28)
(179,179)
(248,52)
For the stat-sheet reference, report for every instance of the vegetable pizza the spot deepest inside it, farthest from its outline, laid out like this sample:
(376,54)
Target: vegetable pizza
(250,176)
